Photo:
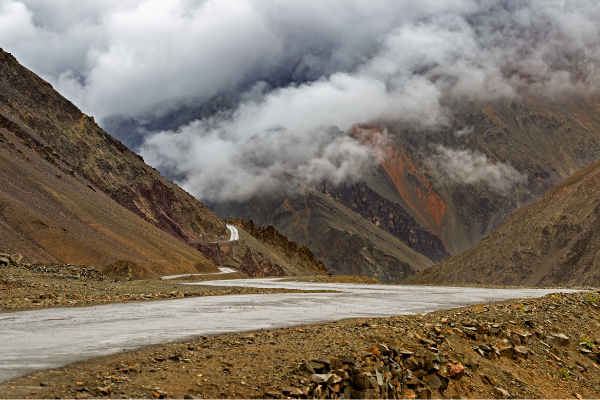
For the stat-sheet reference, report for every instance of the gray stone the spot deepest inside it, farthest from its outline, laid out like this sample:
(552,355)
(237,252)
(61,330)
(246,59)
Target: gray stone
(522,352)
(318,378)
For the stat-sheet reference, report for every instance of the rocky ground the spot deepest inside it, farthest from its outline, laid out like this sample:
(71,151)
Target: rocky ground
(32,286)
(535,348)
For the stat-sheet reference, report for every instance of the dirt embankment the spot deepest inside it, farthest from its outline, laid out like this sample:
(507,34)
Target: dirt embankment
(536,348)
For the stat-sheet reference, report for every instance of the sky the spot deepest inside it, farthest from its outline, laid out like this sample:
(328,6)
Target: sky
(305,72)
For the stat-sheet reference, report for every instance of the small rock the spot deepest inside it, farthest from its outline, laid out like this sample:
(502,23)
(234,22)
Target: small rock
(106,390)
(507,352)
(318,378)
(159,394)
(292,391)
(361,381)
(501,393)
(425,394)
(15,259)
(522,352)
(4,261)
(456,371)
(43,384)
(191,396)
(561,339)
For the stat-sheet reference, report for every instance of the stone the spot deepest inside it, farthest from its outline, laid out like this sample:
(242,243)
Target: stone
(425,394)
(515,338)
(4,261)
(501,393)
(561,339)
(15,259)
(434,381)
(507,352)
(106,390)
(361,381)
(320,378)
(159,394)
(522,352)
(456,371)
(292,391)
(191,396)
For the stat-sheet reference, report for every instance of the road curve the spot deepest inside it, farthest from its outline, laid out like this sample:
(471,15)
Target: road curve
(235,235)
(44,339)
(223,271)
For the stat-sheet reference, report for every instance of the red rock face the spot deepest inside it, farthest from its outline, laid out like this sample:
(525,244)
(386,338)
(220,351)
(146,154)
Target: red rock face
(418,195)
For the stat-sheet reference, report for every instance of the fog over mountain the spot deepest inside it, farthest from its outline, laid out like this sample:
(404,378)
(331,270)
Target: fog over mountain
(304,68)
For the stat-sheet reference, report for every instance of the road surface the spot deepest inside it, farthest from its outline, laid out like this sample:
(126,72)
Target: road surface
(223,271)
(45,339)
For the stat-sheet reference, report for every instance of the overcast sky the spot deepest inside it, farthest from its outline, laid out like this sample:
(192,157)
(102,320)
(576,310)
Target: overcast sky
(306,66)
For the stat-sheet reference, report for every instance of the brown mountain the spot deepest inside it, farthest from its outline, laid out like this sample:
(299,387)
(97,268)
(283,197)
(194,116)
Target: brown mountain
(435,216)
(72,193)
(553,241)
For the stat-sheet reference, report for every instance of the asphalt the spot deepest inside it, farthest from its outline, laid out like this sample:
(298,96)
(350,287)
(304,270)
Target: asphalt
(46,339)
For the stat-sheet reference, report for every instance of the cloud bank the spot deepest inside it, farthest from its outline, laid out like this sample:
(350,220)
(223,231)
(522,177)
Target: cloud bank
(472,167)
(308,65)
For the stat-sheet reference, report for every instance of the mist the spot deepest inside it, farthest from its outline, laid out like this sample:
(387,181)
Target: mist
(308,72)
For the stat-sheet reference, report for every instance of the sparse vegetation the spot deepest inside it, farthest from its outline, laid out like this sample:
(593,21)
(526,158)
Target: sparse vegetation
(564,374)
(587,341)
(593,297)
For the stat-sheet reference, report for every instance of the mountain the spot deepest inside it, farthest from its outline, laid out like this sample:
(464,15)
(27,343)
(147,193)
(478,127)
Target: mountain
(72,193)
(427,210)
(551,242)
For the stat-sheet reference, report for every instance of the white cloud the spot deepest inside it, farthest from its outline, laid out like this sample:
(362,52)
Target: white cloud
(471,167)
(332,63)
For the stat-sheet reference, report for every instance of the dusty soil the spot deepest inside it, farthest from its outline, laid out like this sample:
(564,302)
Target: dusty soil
(426,351)
(63,285)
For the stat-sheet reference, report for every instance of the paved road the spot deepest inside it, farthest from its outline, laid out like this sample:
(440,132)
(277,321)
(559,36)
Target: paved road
(235,235)
(223,271)
(44,339)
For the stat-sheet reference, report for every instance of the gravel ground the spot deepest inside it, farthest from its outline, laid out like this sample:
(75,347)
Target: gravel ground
(509,349)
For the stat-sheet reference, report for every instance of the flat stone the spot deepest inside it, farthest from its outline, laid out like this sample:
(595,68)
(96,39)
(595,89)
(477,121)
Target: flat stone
(561,339)
(501,393)
(319,378)
(4,261)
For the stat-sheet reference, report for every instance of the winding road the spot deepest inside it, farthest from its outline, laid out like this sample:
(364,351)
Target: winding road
(235,235)
(44,339)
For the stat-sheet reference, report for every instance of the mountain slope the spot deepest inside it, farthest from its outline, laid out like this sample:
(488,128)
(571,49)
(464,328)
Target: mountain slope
(553,241)
(92,176)
(347,243)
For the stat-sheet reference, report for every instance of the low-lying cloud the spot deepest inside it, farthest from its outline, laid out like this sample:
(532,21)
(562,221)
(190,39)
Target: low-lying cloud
(308,65)
(471,167)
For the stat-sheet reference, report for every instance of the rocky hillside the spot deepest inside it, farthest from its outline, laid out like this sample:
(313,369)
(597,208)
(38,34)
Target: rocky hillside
(301,258)
(72,193)
(551,242)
